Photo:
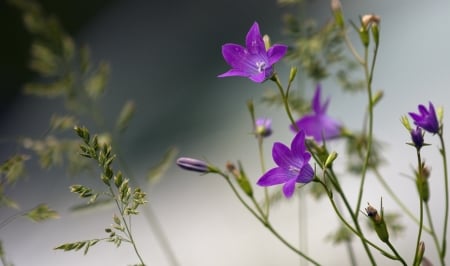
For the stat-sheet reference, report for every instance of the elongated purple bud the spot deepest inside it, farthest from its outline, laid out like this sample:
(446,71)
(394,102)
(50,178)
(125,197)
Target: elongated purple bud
(193,165)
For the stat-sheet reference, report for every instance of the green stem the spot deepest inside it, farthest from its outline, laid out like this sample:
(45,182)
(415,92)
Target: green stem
(355,231)
(420,188)
(433,234)
(444,161)
(396,253)
(150,216)
(358,231)
(369,133)
(263,170)
(397,200)
(126,224)
(266,223)
(284,98)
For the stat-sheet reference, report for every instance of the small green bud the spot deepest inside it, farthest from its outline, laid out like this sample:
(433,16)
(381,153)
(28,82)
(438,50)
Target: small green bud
(378,222)
(292,74)
(331,157)
(376,33)
(440,114)
(266,40)
(336,8)
(364,36)
(83,133)
(405,122)
(422,185)
(421,251)
(241,178)
(377,98)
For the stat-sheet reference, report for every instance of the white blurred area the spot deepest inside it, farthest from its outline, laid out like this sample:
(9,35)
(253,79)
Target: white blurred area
(166,57)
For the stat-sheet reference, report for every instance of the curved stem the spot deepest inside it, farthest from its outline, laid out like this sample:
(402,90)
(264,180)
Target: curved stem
(397,200)
(355,231)
(266,223)
(433,234)
(420,190)
(284,97)
(444,162)
(150,216)
(396,253)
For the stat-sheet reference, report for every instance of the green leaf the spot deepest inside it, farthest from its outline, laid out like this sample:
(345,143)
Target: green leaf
(96,84)
(125,116)
(41,213)
(157,171)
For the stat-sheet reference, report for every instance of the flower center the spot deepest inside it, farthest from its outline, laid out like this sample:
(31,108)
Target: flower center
(294,169)
(261,66)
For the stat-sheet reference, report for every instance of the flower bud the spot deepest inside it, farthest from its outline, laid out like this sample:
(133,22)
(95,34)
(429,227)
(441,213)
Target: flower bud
(241,178)
(378,222)
(421,251)
(405,123)
(263,127)
(369,20)
(422,185)
(417,137)
(266,40)
(195,165)
(336,8)
(331,157)
(292,74)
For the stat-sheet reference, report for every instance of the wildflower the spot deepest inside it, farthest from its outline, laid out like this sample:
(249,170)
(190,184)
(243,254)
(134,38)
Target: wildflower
(293,166)
(378,222)
(426,119)
(417,137)
(252,61)
(193,165)
(319,125)
(263,127)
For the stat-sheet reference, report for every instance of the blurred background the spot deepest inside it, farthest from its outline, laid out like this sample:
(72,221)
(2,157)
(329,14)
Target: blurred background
(165,56)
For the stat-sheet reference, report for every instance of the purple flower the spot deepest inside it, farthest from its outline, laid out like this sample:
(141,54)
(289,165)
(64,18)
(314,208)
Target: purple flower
(193,165)
(293,166)
(319,125)
(253,61)
(263,127)
(417,137)
(426,119)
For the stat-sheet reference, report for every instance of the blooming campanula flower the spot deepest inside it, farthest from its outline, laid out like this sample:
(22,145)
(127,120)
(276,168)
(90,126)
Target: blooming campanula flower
(263,127)
(319,125)
(426,119)
(293,165)
(252,61)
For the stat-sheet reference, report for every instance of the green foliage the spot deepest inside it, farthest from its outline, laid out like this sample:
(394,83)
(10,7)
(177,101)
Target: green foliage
(41,213)
(75,246)
(319,51)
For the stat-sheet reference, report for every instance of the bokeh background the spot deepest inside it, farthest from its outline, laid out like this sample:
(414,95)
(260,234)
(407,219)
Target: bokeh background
(165,55)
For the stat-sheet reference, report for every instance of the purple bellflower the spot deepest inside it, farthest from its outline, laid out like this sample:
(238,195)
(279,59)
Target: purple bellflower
(293,165)
(426,119)
(252,61)
(192,164)
(417,137)
(319,125)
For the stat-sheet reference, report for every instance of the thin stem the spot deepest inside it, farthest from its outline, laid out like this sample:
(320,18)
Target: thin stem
(420,188)
(369,76)
(266,223)
(126,224)
(359,232)
(444,162)
(285,100)
(355,231)
(150,216)
(396,253)
(397,200)
(433,233)
(263,170)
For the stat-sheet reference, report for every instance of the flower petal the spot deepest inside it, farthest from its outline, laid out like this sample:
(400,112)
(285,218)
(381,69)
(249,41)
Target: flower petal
(258,77)
(236,56)
(274,176)
(288,188)
(234,72)
(306,175)
(298,146)
(276,52)
(282,156)
(254,41)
